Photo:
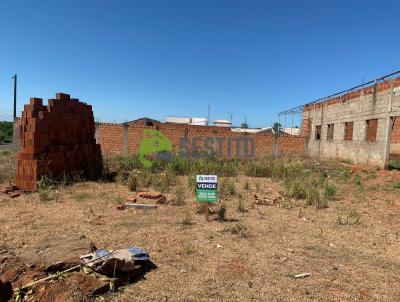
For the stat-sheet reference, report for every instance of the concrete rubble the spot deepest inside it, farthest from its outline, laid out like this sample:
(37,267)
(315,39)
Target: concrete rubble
(55,270)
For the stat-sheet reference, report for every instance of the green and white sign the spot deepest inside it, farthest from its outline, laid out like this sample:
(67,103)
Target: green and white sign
(206,188)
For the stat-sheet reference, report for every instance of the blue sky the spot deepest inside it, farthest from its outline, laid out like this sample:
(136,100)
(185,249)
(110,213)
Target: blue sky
(157,58)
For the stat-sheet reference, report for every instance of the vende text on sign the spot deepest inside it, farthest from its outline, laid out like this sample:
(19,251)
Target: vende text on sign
(207,188)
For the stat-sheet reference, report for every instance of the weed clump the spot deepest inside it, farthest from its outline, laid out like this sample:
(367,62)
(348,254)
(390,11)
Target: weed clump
(237,229)
(222,212)
(227,188)
(179,199)
(241,205)
(188,218)
(258,169)
(44,188)
(132,182)
(295,188)
(351,218)
(330,191)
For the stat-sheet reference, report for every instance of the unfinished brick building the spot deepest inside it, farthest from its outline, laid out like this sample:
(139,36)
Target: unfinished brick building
(56,139)
(361,126)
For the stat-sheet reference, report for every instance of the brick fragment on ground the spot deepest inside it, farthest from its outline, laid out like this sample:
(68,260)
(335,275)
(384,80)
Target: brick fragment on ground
(56,139)
(150,195)
(14,195)
(161,200)
(89,284)
(130,198)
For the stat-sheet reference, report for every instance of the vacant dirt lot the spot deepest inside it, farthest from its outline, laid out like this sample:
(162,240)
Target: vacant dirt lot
(351,248)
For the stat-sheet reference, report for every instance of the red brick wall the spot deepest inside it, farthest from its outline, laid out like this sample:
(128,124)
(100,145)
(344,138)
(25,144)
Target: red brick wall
(292,145)
(112,139)
(306,128)
(348,130)
(372,129)
(395,139)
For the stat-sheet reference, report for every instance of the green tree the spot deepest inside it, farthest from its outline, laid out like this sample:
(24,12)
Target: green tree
(276,126)
(6,132)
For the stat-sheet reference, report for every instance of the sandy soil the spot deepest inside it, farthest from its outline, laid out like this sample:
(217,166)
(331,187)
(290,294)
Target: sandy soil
(205,261)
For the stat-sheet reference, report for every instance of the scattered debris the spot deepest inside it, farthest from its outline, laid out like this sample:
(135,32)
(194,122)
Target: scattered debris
(161,200)
(303,275)
(140,205)
(121,207)
(11,190)
(14,195)
(130,198)
(267,201)
(49,270)
(117,262)
(150,195)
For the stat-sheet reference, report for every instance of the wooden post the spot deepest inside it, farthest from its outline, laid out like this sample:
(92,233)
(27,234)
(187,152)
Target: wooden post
(207,213)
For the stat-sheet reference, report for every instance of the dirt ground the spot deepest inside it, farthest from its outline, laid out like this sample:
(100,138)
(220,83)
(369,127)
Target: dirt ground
(252,256)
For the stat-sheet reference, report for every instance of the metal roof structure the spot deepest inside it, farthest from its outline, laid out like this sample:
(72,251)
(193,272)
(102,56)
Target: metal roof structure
(299,109)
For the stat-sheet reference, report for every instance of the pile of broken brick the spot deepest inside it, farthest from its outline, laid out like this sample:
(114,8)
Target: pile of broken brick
(131,200)
(11,190)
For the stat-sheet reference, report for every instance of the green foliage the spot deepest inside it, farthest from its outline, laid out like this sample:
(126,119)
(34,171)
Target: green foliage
(295,188)
(394,164)
(163,181)
(146,178)
(316,190)
(330,191)
(258,169)
(357,179)
(44,187)
(204,165)
(124,165)
(314,198)
(6,132)
(7,165)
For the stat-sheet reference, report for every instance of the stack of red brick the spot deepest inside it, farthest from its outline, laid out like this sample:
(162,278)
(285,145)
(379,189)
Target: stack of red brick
(55,139)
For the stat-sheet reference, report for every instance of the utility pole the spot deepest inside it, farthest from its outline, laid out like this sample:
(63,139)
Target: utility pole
(15,97)
(231,117)
(208,115)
